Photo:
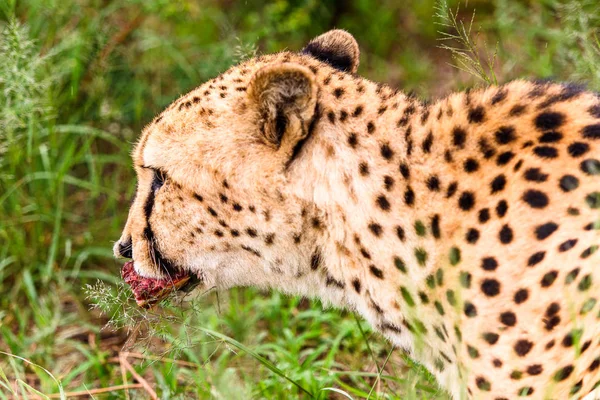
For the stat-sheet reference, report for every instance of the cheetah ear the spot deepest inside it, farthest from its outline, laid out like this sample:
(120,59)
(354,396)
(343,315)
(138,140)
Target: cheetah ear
(337,48)
(285,96)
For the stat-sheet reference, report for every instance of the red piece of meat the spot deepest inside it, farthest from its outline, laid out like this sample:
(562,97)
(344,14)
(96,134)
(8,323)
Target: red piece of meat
(149,291)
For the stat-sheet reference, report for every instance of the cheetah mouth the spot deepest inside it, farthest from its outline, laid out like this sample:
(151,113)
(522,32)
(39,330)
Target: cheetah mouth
(150,291)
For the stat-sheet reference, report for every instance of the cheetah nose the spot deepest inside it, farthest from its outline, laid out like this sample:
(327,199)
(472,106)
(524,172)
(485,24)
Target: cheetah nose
(124,249)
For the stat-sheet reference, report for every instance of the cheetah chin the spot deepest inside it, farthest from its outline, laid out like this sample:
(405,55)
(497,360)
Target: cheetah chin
(465,230)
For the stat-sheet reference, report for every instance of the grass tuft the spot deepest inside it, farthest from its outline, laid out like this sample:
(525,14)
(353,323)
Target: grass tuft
(467,55)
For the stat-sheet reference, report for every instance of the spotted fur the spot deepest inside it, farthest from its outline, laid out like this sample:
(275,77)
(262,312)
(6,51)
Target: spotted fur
(465,230)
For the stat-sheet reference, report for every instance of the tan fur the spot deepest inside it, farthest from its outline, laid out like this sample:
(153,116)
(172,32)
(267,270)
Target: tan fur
(338,217)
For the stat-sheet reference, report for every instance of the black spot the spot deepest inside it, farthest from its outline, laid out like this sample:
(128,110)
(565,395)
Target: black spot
(469,309)
(466,201)
(388,182)
(593,200)
(508,318)
(452,188)
(489,264)
(315,260)
(357,111)
(465,279)
(568,183)
(546,152)
(386,151)
(363,169)
(585,283)
(500,96)
(535,175)
(352,140)
(331,116)
(525,391)
(518,165)
(522,347)
(485,148)
(376,271)
(476,115)
(400,233)
(237,207)
(448,156)
(427,143)
(521,296)
(578,149)
(404,170)
(551,137)
(535,198)
(549,278)
(505,135)
(506,234)
(471,165)
(490,287)
(409,196)
(498,183)
(375,229)
(563,373)
(549,120)
(516,375)
(552,309)
(356,285)
(517,110)
(576,387)
(594,365)
(433,183)
(459,137)
(212,212)
(591,132)
(420,228)
(551,322)
(483,384)
(473,352)
(491,338)
(338,92)
(504,158)
(400,264)
(365,253)
(438,307)
(421,256)
(370,127)
(383,203)
(536,258)
(591,166)
(570,337)
(545,230)
(472,236)
(484,215)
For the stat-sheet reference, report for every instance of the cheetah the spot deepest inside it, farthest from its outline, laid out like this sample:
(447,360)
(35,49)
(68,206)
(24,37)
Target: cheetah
(465,230)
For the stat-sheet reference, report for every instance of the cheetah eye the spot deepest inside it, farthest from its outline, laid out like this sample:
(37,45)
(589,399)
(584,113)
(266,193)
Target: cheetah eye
(158,179)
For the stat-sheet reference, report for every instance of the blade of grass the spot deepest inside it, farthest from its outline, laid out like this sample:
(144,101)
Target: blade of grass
(257,357)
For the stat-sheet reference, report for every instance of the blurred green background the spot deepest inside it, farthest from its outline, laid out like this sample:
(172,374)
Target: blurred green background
(78,81)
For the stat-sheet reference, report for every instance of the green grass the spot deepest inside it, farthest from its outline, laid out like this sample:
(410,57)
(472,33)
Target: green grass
(78,81)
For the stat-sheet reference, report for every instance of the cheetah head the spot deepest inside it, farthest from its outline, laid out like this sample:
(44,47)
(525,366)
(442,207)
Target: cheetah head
(226,174)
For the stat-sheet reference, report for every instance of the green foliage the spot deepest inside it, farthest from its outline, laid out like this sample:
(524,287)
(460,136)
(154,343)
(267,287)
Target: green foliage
(78,81)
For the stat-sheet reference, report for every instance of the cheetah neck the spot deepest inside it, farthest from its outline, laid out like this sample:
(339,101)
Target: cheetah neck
(365,171)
